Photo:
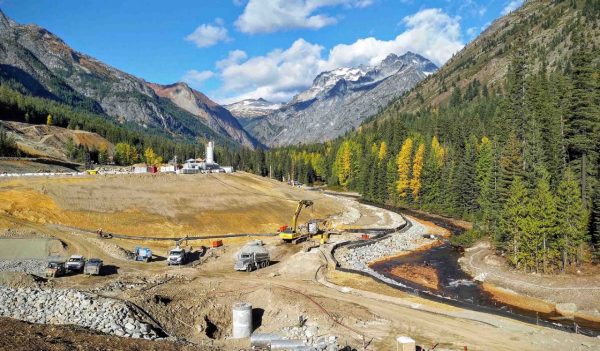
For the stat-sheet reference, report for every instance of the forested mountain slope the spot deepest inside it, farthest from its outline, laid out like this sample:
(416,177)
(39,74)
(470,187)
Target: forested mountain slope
(506,134)
(36,62)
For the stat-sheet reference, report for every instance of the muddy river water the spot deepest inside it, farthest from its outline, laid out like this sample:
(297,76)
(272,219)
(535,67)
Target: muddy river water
(456,287)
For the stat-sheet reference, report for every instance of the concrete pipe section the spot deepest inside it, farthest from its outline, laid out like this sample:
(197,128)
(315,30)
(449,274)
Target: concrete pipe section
(242,320)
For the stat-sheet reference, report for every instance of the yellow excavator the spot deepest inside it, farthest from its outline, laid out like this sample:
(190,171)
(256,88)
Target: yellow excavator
(290,234)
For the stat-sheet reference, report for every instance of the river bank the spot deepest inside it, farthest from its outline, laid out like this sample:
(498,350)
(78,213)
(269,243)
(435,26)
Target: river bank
(408,261)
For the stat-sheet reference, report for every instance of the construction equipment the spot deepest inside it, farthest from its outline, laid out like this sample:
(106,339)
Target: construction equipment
(55,269)
(142,254)
(252,256)
(93,266)
(291,234)
(177,256)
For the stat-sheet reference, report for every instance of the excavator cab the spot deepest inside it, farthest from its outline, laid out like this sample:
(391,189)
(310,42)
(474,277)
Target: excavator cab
(291,234)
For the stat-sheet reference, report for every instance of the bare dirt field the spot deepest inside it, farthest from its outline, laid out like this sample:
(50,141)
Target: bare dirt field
(192,303)
(160,205)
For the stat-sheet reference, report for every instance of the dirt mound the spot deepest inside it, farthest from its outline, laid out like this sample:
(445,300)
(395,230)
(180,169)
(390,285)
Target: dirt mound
(19,280)
(23,336)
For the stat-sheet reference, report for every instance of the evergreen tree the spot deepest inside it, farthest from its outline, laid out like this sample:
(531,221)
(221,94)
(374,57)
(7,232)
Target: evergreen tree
(513,223)
(485,181)
(510,167)
(572,220)
(583,121)
(543,225)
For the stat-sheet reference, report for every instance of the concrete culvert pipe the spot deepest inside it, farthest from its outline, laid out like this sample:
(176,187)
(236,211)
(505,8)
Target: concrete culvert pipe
(242,320)
(288,345)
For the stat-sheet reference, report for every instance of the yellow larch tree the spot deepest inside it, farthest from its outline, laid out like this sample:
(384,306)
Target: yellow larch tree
(403,162)
(417,170)
(382,151)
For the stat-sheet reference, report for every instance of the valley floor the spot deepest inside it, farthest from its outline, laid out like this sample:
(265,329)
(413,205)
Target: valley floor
(193,303)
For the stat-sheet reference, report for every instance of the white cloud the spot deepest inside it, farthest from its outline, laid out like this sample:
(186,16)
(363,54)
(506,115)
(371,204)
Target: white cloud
(511,6)
(196,78)
(208,35)
(282,73)
(261,16)
(234,57)
(430,32)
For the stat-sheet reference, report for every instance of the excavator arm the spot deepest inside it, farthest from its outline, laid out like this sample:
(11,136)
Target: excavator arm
(301,205)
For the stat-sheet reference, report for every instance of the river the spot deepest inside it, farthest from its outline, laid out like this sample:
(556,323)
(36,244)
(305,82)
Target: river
(457,287)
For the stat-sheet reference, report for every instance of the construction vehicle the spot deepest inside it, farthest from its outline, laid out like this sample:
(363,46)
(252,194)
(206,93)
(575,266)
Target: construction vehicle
(76,263)
(252,256)
(142,254)
(177,256)
(55,269)
(93,266)
(291,234)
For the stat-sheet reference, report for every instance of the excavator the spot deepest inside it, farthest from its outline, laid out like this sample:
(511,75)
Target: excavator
(290,234)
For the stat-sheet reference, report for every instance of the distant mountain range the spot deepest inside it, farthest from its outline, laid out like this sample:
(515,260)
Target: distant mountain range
(37,62)
(337,101)
(247,110)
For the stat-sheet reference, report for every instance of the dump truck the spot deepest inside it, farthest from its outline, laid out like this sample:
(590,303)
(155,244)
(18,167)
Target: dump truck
(76,263)
(55,269)
(142,254)
(177,256)
(252,256)
(93,266)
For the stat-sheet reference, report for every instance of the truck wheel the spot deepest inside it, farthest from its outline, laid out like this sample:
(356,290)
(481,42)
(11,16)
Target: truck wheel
(248,268)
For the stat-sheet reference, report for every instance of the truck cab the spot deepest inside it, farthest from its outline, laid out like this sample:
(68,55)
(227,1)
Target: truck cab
(177,256)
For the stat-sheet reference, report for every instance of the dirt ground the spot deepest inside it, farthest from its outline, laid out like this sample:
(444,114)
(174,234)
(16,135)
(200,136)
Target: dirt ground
(420,274)
(582,289)
(161,205)
(193,302)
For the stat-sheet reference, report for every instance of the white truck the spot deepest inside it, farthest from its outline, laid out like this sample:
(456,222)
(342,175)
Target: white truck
(177,256)
(76,263)
(252,256)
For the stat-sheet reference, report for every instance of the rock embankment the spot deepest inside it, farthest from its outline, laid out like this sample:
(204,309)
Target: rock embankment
(30,266)
(54,306)
(359,258)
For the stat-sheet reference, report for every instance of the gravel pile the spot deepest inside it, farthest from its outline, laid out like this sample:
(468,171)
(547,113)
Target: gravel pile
(30,266)
(55,306)
(360,257)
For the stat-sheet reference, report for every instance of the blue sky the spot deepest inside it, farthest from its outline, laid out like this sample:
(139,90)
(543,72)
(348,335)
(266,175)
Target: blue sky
(234,49)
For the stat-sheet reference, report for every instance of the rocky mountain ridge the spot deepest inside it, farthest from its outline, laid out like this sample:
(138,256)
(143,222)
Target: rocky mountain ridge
(37,62)
(340,100)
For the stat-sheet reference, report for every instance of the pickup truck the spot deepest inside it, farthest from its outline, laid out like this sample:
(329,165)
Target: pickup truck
(93,266)
(76,263)
(55,269)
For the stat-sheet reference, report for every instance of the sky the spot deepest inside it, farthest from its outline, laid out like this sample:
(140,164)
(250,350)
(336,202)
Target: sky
(238,49)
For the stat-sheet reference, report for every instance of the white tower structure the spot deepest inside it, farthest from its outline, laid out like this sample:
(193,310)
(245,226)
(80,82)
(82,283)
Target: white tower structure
(210,158)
